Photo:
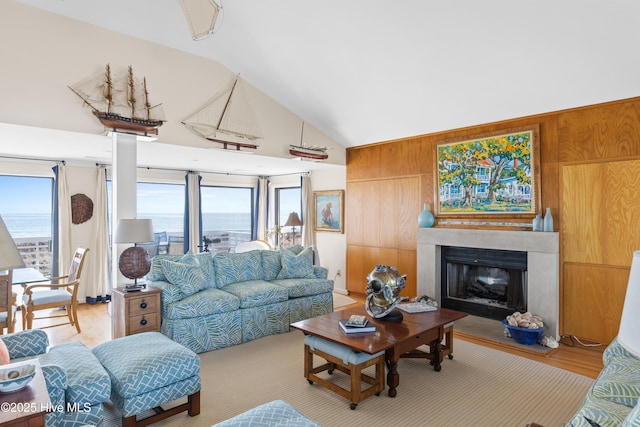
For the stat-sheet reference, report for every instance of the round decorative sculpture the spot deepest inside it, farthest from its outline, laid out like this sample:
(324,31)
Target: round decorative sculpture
(384,284)
(134,262)
(81,208)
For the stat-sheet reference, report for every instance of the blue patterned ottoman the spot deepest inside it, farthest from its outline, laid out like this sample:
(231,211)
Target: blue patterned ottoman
(148,370)
(273,414)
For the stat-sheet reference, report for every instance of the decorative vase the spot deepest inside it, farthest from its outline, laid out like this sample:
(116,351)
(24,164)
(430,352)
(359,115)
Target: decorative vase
(548,220)
(537,223)
(425,219)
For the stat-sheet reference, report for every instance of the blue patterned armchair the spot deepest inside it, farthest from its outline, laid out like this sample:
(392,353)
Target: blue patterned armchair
(75,379)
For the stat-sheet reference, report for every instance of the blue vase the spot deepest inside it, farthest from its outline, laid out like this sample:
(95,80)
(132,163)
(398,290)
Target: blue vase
(425,219)
(548,220)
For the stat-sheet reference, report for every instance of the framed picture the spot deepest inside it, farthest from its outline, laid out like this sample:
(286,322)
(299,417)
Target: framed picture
(328,211)
(493,174)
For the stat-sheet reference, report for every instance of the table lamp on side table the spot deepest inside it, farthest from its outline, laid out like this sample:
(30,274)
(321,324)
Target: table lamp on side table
(10,258)
(293,221)
(134,262)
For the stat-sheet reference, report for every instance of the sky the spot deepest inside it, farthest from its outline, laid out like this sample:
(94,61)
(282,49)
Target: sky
(19,195)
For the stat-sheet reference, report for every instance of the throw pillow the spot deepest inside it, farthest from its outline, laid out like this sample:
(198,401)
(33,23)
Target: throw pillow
(270,264)
(296,266)
(240,267)
(186,274)
(4,353)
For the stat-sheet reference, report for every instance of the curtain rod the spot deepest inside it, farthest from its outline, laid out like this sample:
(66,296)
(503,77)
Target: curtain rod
(217,173)
(33,159)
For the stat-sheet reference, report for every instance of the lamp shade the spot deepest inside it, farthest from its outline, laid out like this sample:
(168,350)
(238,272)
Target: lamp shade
(9,255)
(134,231)
(629,333)
(293,220)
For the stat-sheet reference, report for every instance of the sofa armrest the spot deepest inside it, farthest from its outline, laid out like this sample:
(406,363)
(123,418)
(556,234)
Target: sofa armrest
(170,292)
(320,272)
(27,343)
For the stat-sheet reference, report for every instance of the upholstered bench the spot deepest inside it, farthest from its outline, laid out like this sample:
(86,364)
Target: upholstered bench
(345,360)
(273,414)
(148,370)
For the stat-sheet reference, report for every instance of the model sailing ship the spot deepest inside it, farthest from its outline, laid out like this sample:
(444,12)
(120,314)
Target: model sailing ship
(121,104)
(229,114)
(312,152)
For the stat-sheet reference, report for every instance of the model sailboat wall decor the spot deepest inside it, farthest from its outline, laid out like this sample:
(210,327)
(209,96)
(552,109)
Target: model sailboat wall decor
(308,152)
(121,103)
(228,119)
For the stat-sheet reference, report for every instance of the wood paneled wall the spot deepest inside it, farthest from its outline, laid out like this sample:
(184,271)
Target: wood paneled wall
(589,177)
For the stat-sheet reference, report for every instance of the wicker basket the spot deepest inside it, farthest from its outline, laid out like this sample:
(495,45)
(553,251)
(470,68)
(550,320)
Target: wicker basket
(81,208)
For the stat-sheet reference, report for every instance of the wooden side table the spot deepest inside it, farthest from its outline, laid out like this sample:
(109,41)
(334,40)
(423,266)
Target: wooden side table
(26,407)
(135,312)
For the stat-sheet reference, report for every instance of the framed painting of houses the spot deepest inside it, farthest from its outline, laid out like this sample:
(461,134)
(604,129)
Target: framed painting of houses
(328,211)
(494,174)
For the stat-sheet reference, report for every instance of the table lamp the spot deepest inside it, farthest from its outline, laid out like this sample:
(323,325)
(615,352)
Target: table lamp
(293,221)
(134,262)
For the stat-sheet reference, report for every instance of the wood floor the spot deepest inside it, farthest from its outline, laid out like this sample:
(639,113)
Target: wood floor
(95,322)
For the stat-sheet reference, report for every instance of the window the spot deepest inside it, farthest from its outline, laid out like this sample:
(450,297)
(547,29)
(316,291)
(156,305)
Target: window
(164,205)
(288,200)
(227,216)
(27,211)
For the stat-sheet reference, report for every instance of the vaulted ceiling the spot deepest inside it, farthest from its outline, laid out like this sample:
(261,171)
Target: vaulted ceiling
(364,71)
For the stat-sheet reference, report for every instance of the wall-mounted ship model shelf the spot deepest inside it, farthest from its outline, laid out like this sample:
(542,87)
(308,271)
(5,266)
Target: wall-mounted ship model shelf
(121,103)
(303,151)
(230,114)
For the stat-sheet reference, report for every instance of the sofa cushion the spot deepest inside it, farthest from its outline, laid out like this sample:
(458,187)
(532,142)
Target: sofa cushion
(618,382)
(241,267)
(305,287)
(206,302)
(603,412)
(296,266)
(270,264)
(254,293)
(277,413)
(87,381)
(633,419)
(187,274)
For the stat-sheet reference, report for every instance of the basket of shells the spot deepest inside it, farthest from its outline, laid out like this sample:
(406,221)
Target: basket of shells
(525,328)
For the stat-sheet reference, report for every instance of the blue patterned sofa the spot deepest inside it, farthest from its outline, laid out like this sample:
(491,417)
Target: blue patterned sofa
(277,413)
(613,398)
(77,383)
(211,301)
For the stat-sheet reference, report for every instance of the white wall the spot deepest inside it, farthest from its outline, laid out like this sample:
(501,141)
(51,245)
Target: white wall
(332,246)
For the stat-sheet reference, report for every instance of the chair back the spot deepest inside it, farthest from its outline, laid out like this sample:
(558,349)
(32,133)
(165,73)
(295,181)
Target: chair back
(6,302)
(76,264)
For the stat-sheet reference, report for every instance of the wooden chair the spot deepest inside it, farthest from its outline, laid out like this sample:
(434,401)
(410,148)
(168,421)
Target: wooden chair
(43,296)
(6,303)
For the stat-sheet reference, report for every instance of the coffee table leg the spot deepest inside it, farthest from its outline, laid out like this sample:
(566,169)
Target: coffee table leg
(437,355)
(393,377)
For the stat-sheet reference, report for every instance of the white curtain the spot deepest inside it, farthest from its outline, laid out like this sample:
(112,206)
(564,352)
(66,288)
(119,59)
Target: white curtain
(97,283)
(65,254)
(263,192)
(194,211)
(308,236)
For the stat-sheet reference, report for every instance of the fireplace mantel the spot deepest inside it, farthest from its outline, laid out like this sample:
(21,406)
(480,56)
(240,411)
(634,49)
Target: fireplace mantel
(543,264)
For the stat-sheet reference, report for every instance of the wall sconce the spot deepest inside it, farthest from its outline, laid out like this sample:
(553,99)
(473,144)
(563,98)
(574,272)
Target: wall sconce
(201,16)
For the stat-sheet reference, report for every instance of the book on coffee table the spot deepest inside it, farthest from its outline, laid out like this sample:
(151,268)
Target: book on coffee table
(355,330)
(416,307)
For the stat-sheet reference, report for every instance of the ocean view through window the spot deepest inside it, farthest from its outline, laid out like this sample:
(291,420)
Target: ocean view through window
(26,210)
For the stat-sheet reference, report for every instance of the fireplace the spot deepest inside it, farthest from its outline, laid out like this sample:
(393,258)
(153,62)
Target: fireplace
(484,282)
(541,285)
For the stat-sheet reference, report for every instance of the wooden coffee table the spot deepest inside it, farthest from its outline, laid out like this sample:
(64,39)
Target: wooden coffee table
(397,339)
(26,407)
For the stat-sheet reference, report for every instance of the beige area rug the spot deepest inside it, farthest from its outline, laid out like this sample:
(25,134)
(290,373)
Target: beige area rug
(340,300)
(479,387)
